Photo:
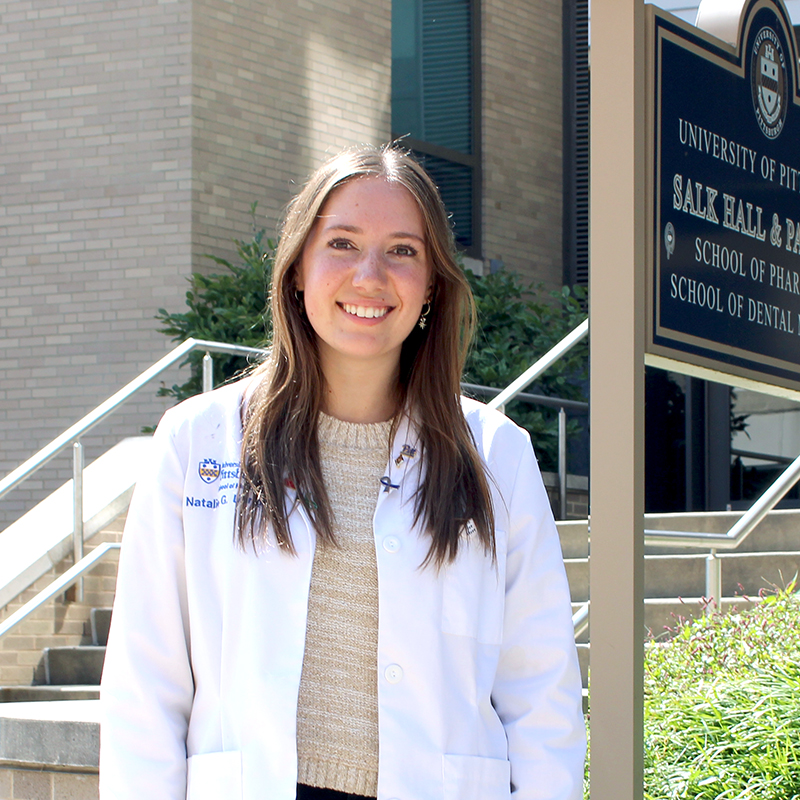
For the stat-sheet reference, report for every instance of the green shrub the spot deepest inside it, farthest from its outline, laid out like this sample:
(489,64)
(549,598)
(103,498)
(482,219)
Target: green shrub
(722,706)
(514,329)
(229,307)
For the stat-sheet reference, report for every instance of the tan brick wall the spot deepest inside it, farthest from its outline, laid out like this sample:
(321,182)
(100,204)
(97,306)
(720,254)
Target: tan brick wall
(522,145)
(95,174)
(276,89)
(135,138)
(23,784)
(56,623)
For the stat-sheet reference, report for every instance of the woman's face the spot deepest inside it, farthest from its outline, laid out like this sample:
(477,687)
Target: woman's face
(365,273)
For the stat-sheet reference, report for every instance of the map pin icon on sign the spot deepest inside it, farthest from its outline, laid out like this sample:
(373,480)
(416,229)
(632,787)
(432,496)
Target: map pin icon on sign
(669,239)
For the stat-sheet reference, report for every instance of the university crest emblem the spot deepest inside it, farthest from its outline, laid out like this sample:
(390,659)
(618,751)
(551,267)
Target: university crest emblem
(208,470)
(769,82)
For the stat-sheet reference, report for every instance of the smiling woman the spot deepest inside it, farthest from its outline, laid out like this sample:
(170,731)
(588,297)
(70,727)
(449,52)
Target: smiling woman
(379,608)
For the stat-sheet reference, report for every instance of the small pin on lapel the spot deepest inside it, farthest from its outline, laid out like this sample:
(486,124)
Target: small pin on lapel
(387,484)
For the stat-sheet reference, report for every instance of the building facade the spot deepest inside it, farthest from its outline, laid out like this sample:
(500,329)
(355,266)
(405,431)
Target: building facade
(136,134)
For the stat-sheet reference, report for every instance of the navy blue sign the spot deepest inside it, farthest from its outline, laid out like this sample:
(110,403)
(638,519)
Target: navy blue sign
(726,248)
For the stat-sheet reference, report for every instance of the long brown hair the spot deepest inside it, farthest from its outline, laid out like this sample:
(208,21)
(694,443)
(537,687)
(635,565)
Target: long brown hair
(280,445)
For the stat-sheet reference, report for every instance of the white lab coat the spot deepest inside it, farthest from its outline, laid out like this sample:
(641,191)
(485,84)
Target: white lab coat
(479,691)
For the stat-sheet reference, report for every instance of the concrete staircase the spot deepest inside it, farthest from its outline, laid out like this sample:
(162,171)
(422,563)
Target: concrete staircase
(675,578)
(69,673)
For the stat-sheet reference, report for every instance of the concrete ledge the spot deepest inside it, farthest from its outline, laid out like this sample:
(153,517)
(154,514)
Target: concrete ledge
(43,694)
(61,734)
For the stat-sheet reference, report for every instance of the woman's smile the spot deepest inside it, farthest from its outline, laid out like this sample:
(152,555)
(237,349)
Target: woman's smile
(366,312)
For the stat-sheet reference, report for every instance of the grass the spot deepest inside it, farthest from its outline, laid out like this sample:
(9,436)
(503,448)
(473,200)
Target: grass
(722,705)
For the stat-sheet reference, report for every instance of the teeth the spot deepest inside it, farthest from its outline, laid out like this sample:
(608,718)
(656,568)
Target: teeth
(369,312)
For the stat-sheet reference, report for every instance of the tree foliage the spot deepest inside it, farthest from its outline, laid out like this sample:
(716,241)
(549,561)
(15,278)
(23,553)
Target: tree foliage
(515,327)
(229,306)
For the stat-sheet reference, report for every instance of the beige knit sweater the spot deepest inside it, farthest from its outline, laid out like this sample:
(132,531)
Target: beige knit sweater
(337,715)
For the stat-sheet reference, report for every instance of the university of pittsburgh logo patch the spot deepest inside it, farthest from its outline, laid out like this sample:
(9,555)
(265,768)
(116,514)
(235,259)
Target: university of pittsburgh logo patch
(208,470)
(769,83)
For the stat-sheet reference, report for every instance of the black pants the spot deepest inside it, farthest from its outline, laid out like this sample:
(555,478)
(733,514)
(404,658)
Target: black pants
(313,793)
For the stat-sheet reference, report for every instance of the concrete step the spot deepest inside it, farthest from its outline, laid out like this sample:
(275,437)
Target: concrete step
(73,666)
(100,620)
(574,535)
(780,531)
(28,694)
(661,615)
(684,575)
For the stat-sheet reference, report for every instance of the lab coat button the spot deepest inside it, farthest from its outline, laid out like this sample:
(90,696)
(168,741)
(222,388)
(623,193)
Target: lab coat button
(391,544)
(394,673)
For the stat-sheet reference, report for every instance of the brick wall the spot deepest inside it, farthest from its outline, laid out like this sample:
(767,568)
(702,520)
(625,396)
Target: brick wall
(522,143)
(95,179)
(136,134)
(25,784)
(276,90)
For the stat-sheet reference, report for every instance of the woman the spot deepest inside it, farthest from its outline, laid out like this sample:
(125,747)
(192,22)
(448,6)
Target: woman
(339,580)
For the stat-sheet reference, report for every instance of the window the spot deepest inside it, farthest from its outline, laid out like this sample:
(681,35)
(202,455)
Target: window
(435,101)
(576,142)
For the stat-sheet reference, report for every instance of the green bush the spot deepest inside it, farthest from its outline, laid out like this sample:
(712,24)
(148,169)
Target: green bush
(514,328)
(227,307)
(722,706)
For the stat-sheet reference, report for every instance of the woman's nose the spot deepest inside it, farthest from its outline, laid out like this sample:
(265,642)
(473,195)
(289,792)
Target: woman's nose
(369,270)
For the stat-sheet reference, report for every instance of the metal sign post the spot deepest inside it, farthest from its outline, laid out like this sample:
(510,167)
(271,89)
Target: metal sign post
(617,398)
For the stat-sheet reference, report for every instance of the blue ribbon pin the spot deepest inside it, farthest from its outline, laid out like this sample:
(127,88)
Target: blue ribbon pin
(387,484)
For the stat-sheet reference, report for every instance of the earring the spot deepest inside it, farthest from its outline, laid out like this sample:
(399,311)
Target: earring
(424,316)
(298,295)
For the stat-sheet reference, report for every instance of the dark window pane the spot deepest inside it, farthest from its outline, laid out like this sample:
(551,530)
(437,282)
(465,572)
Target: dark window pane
(432,72)
(446,73)
(455,184)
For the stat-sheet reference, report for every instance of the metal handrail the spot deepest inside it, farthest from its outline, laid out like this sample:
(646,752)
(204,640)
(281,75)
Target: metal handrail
(761,456)
(536,399)
(538,368)
(580,619)
(93,418)
(731,540)
(715,541)
(743,527)
(59,585)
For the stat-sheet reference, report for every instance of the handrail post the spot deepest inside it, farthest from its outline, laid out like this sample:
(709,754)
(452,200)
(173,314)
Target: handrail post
(208,373)
(77,512)
(562,462)
(714,578)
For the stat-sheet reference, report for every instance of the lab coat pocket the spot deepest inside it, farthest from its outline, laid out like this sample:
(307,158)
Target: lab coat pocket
(473,592)
(211,776)
(476,778)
